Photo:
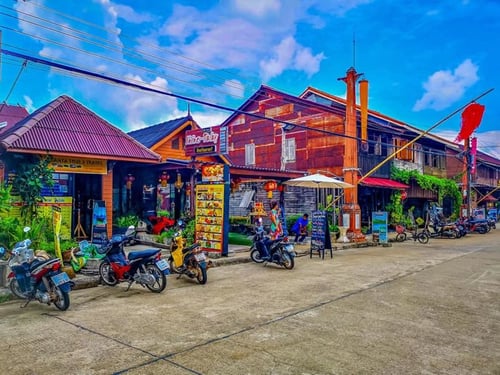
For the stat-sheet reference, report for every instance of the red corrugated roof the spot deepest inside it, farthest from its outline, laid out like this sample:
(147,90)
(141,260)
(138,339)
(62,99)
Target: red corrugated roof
(383,183)
(64,126)
(10,115)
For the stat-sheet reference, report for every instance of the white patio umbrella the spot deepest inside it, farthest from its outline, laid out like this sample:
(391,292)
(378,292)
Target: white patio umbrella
(318,180)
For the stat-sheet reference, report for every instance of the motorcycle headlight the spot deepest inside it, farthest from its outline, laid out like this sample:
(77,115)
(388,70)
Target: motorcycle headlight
(288,247)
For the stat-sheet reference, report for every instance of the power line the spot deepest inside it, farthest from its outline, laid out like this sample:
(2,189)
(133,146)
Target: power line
(118,81)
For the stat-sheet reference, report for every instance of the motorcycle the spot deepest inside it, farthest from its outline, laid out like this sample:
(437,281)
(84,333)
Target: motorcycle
(189,261)
(477,225)
(145,267)
(278,251)
(33,278)
(443,230)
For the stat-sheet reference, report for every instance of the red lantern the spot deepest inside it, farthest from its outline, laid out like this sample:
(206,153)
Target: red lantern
(269,186)
(163,178)
(404,195)
(128,181)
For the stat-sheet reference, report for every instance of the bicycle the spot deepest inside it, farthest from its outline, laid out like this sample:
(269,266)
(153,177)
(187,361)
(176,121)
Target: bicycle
(402,236)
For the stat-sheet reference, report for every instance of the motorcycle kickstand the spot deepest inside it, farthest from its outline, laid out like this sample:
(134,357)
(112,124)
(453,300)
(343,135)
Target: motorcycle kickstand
(26,303)
(130,282)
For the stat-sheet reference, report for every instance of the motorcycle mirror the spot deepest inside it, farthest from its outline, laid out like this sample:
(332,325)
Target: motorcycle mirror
(129,230)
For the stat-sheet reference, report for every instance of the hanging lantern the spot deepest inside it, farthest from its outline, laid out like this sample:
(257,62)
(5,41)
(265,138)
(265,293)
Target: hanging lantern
(163,179)
(129,179)
(178,183)
(281,188)
(235,184)
(269,186)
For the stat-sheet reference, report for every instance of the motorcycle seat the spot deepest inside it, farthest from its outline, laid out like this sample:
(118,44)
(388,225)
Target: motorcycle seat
(190,248)
(142,254)
(38,262)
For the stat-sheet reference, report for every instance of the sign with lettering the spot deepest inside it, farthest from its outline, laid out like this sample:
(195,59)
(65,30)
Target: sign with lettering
(320,236)
(207,141)
(78,165)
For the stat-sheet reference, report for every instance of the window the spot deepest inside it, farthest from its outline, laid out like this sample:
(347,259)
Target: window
(175,143)
(250,154)
(378,146)
(289,151)
(406,154)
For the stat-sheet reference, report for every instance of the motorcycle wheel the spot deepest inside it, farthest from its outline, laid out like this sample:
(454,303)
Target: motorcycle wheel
(481,230)
(14,288)
(107,274)
(161,279)
(255,256)
(401,237)
(201,274)
(422,237)
(62,298)
(287,261)
(173,268)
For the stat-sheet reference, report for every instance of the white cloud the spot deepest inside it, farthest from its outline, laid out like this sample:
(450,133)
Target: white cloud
(444,87)
(290,55)
(258,8)
(486,141)
(29,104)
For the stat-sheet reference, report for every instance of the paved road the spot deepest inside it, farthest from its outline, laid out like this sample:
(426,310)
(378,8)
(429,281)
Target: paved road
(406,309)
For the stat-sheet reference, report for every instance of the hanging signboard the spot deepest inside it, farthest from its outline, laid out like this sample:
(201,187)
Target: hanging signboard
(207,141)
(320,236)
(212,173)
(78,165)
(379,226)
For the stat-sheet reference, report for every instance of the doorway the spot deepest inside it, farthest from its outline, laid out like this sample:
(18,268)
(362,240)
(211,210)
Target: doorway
(87,188)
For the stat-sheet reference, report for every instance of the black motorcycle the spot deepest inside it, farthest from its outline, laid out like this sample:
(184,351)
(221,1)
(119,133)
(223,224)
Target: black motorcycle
(278,251)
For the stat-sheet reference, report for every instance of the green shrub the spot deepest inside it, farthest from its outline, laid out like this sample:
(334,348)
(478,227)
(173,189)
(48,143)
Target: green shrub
(126,221)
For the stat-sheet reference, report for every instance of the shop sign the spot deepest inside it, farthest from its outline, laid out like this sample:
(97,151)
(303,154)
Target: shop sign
(208,141)
(78,165)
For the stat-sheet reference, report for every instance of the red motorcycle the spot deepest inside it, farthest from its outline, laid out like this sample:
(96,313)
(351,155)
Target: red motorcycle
(145,267)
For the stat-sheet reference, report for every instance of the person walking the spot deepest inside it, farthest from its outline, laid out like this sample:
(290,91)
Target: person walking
(300,228)
(276,229)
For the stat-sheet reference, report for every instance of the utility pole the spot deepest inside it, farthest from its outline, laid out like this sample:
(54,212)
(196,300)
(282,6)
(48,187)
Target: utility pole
(466,179)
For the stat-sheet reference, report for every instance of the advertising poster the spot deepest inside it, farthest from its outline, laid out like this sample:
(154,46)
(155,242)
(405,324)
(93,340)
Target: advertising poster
(379,225)
(99,222)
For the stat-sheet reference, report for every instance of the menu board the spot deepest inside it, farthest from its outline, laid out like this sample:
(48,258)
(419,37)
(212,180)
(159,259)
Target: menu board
(210,216)
(320,237)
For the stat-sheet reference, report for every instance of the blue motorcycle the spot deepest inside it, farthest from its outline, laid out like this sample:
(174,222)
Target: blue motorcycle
(32,278)
(278,251)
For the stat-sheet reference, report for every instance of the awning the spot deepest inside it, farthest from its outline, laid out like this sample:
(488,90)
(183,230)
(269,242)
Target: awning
(383,183)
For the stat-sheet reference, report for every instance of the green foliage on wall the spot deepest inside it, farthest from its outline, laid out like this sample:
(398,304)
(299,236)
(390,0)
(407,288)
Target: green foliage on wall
(443,186)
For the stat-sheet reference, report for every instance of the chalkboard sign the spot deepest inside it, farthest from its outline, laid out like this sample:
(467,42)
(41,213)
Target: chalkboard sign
(320,236)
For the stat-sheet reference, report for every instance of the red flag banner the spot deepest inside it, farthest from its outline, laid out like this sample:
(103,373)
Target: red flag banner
(471,118)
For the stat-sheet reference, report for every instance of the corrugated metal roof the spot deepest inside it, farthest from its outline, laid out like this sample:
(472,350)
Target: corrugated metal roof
(66,126)
(151,135)
(10,115)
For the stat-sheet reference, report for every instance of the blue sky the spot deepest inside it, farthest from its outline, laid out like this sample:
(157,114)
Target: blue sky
(423,59)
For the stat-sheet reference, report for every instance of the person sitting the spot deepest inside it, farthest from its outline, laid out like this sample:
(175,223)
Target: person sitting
(300,228)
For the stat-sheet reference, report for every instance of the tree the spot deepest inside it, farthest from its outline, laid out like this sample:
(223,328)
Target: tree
(31,176)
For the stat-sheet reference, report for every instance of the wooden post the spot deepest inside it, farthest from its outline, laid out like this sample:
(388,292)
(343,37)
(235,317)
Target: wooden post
(351,170)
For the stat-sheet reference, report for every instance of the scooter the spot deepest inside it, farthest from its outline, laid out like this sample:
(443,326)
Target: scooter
(33,278)
(189,261)
(278,251)
(145,267)
(443,230)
